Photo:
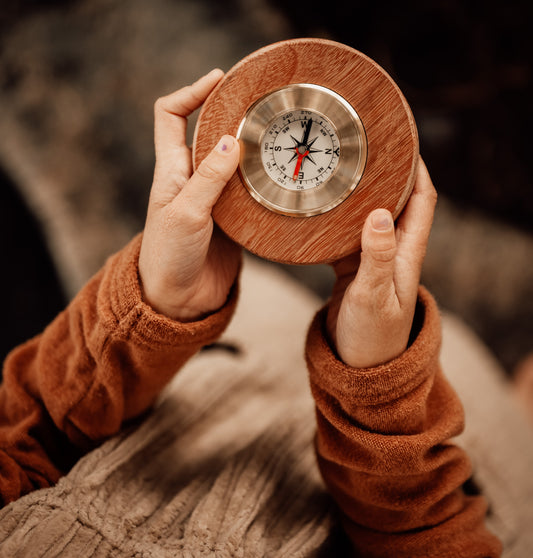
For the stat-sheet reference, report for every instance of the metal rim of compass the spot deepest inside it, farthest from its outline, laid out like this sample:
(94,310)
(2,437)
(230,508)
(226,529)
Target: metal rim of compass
(350,133)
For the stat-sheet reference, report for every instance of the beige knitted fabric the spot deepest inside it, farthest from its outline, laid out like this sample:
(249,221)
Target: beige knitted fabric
(225,466)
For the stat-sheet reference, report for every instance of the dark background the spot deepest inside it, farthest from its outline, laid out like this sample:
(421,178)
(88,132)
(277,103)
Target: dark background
(78,80)
(465,68)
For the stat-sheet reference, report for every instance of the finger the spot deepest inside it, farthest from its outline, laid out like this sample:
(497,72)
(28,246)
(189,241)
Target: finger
(171,112)
(378,251)
(201,192)
(413,229)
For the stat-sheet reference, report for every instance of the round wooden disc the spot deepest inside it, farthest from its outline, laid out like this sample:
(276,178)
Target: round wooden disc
(392,157)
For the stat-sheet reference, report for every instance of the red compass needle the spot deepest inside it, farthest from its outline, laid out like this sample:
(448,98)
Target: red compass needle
(301,157)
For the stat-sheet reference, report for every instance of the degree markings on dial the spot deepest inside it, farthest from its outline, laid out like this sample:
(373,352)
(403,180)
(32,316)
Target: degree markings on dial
(291,170)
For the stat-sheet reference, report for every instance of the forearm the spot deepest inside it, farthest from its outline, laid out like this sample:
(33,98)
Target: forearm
(384,451)
(102,361)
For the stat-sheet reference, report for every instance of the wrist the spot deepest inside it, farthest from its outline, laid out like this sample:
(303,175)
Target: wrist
(186,305)
(387,381)
(182,309)
(376,346)
(368,335)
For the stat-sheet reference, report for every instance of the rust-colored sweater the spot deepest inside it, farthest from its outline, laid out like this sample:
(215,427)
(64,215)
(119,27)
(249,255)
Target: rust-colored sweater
(382,433)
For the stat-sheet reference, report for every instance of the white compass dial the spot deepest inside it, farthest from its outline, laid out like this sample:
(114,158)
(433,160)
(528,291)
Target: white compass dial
(300,149)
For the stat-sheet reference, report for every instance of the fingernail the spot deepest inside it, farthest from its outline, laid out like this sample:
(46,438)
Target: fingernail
(381,220)
(225,144)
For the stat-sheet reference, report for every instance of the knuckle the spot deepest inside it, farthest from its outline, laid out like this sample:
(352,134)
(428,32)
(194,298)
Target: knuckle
(190,93)
(373,300)
(178,178)
(208,170)
(190,216)
(426,189)
(384,254)
(159,105)
(360,297)
(180,103)
(169,218)
(432,195)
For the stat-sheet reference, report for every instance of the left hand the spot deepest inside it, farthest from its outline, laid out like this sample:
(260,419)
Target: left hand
(186,264)
(373,302)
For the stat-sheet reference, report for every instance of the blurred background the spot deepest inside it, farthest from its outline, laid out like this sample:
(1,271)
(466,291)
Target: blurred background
(78,79)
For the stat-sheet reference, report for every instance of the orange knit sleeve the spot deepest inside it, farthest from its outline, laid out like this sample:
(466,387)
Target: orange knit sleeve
(384,450)
(101,362)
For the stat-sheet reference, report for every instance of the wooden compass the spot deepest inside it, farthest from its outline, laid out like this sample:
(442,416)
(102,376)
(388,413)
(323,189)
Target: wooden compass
(326,137)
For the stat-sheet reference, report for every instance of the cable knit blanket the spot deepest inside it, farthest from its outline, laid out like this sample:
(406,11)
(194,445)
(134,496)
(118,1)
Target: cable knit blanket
(224,465)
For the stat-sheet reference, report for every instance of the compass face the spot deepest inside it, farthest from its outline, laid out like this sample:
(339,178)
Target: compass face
(303,150)
(300,149)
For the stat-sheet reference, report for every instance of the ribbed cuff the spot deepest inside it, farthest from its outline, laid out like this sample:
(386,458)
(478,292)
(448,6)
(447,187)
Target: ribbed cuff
(140,322)
(383,383)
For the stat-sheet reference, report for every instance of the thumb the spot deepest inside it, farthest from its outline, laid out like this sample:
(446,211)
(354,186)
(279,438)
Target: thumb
(378,244)
(204,187)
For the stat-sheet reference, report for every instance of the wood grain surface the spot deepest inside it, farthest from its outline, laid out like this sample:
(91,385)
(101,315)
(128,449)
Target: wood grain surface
(392,138)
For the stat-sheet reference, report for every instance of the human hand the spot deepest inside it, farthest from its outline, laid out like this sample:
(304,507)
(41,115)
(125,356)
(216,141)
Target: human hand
(370,315)
(186,264)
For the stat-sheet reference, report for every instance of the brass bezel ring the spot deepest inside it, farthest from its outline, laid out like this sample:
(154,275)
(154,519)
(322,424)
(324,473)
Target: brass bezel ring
(352,155)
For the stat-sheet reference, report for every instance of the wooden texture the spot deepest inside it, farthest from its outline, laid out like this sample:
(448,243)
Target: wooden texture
(392,138)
